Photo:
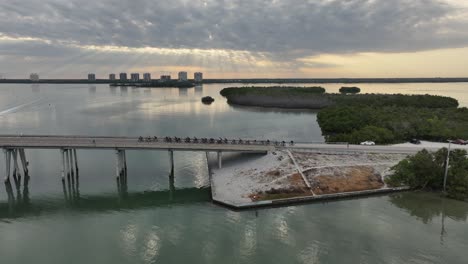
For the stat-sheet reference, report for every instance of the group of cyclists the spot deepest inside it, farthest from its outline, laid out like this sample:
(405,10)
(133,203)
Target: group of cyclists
(213,141)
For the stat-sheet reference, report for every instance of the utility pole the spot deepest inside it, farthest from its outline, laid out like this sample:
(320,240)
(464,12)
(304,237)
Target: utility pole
(447,166)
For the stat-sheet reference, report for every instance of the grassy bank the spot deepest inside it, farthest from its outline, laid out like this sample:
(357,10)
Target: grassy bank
(383,118)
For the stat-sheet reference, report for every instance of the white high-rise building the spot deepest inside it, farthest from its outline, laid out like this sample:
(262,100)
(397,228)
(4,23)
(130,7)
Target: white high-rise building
(112,76)
(147,77)
(123,76)
(198,77)
(135,77)
(183,76)
(91,77)
(34,77)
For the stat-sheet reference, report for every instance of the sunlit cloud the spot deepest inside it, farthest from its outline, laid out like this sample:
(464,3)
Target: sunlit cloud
(235,38)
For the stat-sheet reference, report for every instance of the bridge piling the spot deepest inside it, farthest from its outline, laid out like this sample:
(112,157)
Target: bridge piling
(171,159)
(72,166)
(76,162)
(62,153)
(117,167)
(16,173)
(24,164)
(7,164)
(67,164)
(124,157)
(125,161)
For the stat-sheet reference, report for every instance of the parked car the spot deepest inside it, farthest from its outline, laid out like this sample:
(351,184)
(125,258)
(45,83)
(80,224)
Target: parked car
(415,141)
(368,143)
(459,142)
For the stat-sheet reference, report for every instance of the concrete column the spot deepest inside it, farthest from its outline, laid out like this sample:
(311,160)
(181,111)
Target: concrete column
(16,174)
(117,159)
(124,156)
(72,169)
(62,153)
(171,159)
(72,172)
(7,164)
(171,185)
(125,160)
(220,159)
(24,163)
(76,162)
(67,163)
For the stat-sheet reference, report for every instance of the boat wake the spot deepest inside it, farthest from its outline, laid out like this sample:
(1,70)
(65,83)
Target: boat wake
(18,107)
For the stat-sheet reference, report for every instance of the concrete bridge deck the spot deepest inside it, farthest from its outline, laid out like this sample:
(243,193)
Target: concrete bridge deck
(102,142)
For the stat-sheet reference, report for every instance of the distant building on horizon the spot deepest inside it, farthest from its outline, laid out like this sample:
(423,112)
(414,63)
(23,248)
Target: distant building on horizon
(147,76)
(165,78)
(34,77)
(112,77)
(91,77)
(183,76)
(123,76)
(135,77)
(198,77)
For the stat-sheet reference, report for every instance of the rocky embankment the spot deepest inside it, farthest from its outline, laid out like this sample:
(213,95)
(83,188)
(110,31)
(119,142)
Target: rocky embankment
(292,102)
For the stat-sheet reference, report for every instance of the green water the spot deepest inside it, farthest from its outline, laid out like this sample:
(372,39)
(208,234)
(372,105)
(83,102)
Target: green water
(91,223)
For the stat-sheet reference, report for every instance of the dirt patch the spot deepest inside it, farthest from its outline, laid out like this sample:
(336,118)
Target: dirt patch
(282,193)
(273,173)
(296,180)
(357,178)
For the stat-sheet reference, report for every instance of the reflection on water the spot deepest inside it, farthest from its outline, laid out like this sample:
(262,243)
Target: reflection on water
(71,187)
(158,211)
(92,89)
(183,91)
(198,90)
(19,204)
(427,206)
(35,88)
(17,200)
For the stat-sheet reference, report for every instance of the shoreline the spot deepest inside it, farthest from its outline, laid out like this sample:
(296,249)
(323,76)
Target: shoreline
(289,176)
(262,80)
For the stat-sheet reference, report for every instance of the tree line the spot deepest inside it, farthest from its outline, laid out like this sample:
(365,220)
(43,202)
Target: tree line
(426,170)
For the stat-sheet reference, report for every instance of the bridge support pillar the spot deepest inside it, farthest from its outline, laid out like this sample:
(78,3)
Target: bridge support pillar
(220,159)
(72,166)
(62,153)
(24,163)
(16,173)
(121,171)
(118,165)
(171,159)
(7,164)
(124,158)
(67,164)
(76,162)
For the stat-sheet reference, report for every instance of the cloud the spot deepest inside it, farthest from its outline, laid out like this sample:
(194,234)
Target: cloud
(261,25)
(240,31)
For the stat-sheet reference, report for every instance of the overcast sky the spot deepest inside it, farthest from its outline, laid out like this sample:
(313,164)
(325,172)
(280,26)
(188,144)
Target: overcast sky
(235,38)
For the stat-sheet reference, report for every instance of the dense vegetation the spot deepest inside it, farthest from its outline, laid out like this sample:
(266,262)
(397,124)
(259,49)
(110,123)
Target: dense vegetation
(350,90)
(384,121)
(425,170)
(273,90)
(353,118)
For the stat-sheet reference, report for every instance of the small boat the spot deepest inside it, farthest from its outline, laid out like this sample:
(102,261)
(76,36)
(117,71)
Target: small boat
(207,100)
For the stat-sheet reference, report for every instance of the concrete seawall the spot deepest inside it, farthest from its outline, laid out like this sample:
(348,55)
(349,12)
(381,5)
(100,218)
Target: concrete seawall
(311,199)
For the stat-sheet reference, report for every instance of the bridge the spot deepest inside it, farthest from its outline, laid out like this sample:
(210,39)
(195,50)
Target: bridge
(14,147)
